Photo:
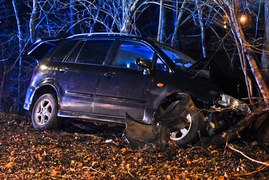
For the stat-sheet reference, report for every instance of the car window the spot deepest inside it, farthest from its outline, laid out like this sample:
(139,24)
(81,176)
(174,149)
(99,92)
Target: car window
(129,51)
(160,66)
(93,52)
(179,58)
(73,55)
(40,50)
(60,54)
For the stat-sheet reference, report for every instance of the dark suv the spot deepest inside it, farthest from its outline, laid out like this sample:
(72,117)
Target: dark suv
(103,76)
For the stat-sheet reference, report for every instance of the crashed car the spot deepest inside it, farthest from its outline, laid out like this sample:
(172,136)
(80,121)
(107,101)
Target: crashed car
(104,77)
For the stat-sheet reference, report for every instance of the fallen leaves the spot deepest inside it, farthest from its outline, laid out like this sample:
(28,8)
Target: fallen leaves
(10,165)
(70,154)
(124,150)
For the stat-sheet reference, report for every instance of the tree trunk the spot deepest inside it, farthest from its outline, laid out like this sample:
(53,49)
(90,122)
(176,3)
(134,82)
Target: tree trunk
(247,51)
(2,83)
(72,16)
(202,29)
(176,26)
(159,35)
(14,3)
(258,76)
(32,22)
(128,7)
(125,19)
(265,55)
(163,28)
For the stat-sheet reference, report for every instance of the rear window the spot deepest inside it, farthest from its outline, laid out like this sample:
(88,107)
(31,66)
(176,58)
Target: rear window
(39,50)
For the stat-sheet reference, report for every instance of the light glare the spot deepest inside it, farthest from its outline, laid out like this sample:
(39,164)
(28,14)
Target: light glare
(243,19)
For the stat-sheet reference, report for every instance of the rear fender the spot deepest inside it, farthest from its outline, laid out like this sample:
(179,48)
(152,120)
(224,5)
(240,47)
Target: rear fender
(47,85)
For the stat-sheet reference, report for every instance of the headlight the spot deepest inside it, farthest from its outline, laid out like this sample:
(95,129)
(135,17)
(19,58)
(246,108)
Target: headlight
(229,101)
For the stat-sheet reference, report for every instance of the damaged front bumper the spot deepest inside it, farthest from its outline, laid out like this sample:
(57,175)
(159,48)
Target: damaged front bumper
(183,122)
(226,112)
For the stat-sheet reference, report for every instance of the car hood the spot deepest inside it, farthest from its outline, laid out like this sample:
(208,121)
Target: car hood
(198,87)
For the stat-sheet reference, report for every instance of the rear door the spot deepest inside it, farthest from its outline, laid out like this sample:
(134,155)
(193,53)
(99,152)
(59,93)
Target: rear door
(79,74)
(123,87)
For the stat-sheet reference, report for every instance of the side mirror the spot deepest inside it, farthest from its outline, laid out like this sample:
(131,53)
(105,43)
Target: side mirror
(145,64)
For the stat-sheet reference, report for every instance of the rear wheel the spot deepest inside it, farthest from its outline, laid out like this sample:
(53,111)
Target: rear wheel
(44,113)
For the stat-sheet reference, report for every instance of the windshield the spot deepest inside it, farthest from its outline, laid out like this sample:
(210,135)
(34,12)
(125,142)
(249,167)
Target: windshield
(179,58)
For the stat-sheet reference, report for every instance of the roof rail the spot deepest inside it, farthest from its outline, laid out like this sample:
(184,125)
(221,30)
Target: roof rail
(100,34)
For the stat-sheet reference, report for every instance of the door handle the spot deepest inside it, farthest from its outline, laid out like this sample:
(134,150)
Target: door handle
(109,74)
(63,69)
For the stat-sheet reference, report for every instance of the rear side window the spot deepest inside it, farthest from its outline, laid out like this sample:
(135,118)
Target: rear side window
(74,54)
(92,52)
(60,54)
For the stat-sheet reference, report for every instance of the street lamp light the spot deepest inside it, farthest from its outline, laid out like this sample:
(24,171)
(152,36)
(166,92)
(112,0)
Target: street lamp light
(244,20)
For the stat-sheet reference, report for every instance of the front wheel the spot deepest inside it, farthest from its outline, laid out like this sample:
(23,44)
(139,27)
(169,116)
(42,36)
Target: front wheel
(183,119)
(44,113)
(189,132)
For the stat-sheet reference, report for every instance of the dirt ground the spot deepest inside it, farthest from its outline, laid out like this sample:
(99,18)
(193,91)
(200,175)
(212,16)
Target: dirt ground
(103,153)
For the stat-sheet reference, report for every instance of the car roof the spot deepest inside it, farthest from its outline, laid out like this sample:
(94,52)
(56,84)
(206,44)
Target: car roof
(102,34)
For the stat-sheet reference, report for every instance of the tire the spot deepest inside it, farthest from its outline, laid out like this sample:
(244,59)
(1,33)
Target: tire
(190,132)
(44,113)
(183,119)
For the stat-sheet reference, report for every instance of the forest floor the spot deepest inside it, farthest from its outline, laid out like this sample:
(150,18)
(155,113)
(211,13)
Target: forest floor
(74,153)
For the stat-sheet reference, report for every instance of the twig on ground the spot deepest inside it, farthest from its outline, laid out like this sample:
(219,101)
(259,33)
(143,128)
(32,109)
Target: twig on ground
(253,172)
(251,159)
(259,162)
(95,170)
(128,167)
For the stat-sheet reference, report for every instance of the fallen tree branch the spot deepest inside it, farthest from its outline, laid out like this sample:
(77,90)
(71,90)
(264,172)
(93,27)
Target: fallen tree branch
(232,132)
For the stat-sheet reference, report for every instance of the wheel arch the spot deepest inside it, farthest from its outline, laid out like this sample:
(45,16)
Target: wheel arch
(45,88)
(178,112)
(166,101)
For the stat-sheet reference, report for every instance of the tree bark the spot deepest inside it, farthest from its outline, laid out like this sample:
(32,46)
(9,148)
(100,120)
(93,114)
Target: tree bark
(72,16)
(32,22)
(265,55)
(245,51)
(258,76)
(15,7)
(128,7)
(176,29)
(159,35)
(202,29)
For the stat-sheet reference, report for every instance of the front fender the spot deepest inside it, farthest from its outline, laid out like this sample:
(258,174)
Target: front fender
(158,99)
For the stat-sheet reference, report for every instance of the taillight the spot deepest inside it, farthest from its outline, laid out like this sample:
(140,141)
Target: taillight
(33,75)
